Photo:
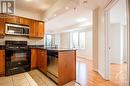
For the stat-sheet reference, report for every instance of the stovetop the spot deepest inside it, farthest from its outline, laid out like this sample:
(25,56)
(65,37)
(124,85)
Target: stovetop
(14,45)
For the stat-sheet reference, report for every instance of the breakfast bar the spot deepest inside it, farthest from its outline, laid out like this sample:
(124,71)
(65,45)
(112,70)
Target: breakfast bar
(58,64)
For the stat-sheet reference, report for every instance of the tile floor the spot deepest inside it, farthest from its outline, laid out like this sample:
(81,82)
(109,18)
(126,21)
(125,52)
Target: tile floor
(32,78)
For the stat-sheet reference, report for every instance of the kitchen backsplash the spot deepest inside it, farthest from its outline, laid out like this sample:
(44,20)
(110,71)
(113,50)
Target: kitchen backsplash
(33,41)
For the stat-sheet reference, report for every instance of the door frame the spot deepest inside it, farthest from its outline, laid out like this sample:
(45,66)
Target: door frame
(128,26)
(106,39)
(106,20)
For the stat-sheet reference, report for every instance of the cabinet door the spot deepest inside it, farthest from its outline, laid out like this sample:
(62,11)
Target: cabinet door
(42,61)
(32,30)
(36,29)
(24,21)
(12,19)
(2,27)
(33,58)
(2,63)
(40,32)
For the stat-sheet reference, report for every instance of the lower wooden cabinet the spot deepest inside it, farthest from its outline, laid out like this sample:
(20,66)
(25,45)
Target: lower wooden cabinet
(42,60)
(2,27)
(39,59)
(33,58)
(2,62)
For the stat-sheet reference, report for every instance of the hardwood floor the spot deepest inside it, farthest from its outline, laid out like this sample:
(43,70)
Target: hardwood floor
(87,77)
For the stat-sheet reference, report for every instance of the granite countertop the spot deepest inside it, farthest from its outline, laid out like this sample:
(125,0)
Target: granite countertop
(55,49)
(2,47)
(50,48)
(45,48)
(60,49)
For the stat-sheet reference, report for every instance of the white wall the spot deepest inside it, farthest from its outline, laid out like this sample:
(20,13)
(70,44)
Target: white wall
(125,43)
(65,40)
(99,41)
(115,43)
(19,38)
(87,52)
(95,39)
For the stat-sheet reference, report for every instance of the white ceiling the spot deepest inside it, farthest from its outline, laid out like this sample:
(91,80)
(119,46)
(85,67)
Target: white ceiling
(34,5)
(68,20)
(64,19)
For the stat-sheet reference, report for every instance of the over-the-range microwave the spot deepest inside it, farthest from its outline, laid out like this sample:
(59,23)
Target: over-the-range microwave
(13,29)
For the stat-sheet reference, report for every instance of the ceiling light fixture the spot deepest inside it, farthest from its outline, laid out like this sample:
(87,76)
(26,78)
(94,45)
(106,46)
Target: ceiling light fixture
(46,19)
(66,8)
(55,15)
(28,0)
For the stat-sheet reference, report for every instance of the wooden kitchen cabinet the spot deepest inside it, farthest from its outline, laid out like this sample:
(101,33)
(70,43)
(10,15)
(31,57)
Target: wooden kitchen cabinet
(39,59)
(33,58)
(2,62)
(32,30)
(42,60)
(13,19)
(61,66)
(36,29)
(2,27)
(24,21)
(40,29)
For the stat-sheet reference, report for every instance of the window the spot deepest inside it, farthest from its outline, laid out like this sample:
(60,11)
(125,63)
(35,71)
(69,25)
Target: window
(77,40)
(48,40)
(82,40)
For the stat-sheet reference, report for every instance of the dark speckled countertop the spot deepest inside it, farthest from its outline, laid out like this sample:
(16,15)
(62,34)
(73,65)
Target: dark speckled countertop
(2,47)
(45,48)
(50,48)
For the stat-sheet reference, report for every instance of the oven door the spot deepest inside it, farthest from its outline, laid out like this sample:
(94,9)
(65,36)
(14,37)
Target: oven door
(17,61)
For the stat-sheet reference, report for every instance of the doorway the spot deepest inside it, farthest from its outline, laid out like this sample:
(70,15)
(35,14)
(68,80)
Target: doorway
(116,42)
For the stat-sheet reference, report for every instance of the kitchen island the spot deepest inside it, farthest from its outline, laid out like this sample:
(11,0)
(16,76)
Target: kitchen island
(58,64)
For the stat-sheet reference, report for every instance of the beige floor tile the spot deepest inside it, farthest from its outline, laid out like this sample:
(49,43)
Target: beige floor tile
(19,81)
(5,80)
(48,81)
(18,76)
(7,84)
(25,84)
(72,84)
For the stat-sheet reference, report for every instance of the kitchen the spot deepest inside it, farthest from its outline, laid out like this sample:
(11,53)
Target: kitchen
(22,50)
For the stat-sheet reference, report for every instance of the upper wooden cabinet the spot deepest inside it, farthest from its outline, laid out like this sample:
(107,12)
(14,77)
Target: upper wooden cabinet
(24,21)
(2,62)
(36,29)
(2,27)
(32,30)
(40,29)
(13,19)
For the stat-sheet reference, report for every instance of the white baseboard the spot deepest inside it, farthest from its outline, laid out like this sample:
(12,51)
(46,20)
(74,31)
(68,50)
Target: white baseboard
(116,60)
(88,58)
